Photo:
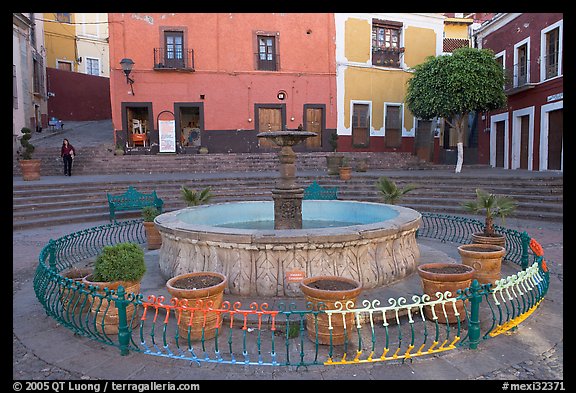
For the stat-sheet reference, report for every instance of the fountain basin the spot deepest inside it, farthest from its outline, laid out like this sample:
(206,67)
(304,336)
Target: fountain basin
(372,243)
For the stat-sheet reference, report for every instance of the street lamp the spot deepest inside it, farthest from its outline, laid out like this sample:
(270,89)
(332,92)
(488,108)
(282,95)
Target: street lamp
(127,68)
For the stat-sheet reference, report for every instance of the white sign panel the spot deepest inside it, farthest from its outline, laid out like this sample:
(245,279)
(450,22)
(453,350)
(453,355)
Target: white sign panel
(167,135)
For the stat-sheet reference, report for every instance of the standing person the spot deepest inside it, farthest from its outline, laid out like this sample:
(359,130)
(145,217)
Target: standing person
(67,153)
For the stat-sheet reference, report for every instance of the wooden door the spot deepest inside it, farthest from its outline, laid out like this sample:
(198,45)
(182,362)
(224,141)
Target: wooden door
(269,119)
(360,125)
(555,136)
(424,140)
(393,127)
(314,124)
(500,144)
(524,124)
(174,44)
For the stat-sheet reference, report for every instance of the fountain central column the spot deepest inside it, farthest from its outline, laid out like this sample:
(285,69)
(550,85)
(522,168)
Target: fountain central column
(287,195)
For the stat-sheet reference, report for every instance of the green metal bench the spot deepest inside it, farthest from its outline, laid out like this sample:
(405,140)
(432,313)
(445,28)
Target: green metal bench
(316,191)
(132,200)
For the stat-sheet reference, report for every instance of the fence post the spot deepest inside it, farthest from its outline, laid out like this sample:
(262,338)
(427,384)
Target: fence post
(525,243)
(52,257)
(474,323)
(123,333)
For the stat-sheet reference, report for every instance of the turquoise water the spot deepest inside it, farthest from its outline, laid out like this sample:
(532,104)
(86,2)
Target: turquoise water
(315,214)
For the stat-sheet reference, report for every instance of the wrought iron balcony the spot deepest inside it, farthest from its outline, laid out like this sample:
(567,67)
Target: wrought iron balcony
(174,59)
(519,77)
(389,57)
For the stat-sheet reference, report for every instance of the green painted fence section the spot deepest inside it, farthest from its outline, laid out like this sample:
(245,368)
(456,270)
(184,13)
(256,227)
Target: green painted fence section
(252,334)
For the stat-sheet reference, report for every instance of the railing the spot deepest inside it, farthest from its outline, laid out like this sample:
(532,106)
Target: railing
(256,335)
(182,59)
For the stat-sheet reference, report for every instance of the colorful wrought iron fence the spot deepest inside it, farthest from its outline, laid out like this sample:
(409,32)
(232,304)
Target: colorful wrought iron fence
(257,335)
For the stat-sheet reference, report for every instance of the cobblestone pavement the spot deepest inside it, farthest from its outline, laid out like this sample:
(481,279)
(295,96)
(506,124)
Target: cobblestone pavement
(547,366)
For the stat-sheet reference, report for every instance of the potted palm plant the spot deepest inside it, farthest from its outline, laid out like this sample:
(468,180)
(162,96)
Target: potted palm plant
(30,167)
(194,197)
(153,238)
(390,192)
(490,205)
(118,265)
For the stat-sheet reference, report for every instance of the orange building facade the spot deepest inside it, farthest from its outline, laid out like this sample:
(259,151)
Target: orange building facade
(216,80)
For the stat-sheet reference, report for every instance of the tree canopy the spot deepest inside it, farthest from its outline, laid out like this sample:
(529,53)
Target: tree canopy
(449,85)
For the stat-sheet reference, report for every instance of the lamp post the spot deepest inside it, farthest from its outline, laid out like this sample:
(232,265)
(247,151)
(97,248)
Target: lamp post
(127,68)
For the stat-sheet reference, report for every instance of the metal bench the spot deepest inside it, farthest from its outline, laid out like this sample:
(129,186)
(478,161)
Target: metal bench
(132,200)
(316,191)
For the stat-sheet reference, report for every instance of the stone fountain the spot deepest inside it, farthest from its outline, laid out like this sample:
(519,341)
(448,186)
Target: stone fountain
(287,195)
(260,246)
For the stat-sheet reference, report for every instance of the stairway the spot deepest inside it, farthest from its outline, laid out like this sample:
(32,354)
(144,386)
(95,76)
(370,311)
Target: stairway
(34,205)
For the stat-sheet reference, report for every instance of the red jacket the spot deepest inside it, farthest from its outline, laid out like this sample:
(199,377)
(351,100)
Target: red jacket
(67,150)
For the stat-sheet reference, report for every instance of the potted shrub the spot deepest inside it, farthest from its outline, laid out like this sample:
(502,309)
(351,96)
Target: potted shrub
(118,265)
(201,290)
(194,197)
(29,167)
(334,161)
(390,192)
(328,290)
(491,205)
(153,238)
(345,170)
(72,300)
(442,277)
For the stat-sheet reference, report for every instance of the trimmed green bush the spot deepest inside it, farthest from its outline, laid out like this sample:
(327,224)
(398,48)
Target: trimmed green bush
(121,262)
(28,148)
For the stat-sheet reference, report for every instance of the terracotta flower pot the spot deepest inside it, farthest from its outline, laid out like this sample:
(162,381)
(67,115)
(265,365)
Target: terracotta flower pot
(497,239)
(345,172)
(486,259)
(442,277)
(72,300)
(30,169)
(106,311)
(329,290)
(207,287)
(153,237)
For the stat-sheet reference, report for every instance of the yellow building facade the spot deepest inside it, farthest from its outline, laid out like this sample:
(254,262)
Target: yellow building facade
(374,56)
(60,40)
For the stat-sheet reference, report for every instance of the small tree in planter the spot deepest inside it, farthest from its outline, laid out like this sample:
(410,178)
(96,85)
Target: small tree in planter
(153,237)
(194,197)
(334,161)
(491,205)
(119,265)
(30,167)
(452,86)
(391,193)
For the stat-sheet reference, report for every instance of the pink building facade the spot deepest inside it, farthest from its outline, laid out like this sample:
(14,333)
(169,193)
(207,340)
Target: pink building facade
(216,80)
(528,133)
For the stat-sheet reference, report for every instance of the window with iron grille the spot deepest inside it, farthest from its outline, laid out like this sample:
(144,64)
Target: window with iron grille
(522,66)
(552,53)
(93,66)
(266,53)
(386,47)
